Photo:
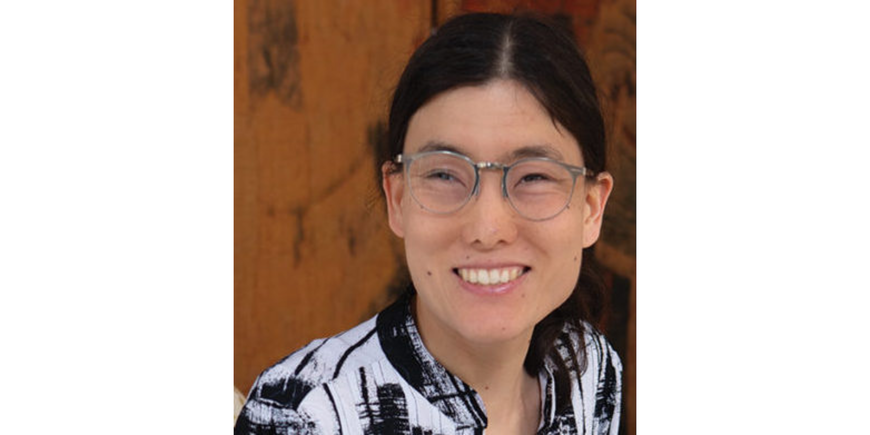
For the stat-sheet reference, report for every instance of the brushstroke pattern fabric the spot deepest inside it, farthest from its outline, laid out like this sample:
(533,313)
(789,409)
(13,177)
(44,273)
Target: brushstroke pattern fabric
(378,378)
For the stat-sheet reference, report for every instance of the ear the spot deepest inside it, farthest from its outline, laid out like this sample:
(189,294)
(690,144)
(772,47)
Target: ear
(394,186)
(597,193)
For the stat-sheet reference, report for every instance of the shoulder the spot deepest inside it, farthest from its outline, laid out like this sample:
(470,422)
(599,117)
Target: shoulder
(587,349)
(319,362)
(280,390)
(598,376)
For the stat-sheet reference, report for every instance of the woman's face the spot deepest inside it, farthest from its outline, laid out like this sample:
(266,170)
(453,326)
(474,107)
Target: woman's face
(496,122)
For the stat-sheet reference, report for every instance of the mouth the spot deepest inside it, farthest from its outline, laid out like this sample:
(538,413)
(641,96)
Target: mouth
(493,276)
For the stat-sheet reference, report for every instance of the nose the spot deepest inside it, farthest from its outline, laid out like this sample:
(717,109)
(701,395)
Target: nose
(490,221)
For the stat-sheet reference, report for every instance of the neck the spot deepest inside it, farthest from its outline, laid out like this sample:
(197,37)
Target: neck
(495,370)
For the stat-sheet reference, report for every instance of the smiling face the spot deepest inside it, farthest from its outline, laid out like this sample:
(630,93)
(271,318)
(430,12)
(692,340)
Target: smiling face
(484,274)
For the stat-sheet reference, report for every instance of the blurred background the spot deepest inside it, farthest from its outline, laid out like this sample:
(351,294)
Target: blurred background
(312,86)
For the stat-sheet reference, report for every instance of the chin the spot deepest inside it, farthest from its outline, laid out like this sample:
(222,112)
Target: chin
(486,330)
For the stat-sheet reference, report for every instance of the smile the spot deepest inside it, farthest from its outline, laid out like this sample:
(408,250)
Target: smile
(490,276)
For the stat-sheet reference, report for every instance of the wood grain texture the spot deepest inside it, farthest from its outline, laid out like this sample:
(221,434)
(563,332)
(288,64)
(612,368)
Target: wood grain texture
(313,254)
(611,50)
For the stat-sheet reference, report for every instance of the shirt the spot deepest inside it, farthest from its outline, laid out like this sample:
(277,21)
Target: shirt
(378,378)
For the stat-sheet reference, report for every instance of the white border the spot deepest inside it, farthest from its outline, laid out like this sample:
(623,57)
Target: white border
(116,169)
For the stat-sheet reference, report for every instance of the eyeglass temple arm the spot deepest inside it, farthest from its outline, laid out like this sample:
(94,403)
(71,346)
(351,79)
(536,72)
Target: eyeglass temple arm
(581,171)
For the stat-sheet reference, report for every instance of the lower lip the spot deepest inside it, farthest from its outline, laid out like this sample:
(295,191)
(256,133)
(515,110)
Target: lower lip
(491,290)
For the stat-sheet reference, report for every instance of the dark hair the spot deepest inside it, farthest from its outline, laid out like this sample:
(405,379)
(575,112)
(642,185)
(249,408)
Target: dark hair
(477,48)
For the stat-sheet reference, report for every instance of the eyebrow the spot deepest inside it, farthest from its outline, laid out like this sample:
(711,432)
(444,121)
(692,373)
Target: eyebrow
(440,146)
(543,150)
(537,151)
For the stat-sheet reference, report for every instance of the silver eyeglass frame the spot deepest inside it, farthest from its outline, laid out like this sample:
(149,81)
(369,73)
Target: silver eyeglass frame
(575,171)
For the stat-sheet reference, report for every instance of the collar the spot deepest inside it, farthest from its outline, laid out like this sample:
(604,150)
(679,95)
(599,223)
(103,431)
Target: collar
(548,395)
(404,348)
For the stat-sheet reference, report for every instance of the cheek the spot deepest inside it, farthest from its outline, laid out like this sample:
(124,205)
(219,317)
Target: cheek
(426,240)
(563,281)
(568,273)
(565,253)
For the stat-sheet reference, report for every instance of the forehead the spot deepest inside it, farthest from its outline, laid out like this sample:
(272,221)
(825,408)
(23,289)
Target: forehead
(495,121)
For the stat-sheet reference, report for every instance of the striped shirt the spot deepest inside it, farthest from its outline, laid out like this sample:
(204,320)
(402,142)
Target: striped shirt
(378,378)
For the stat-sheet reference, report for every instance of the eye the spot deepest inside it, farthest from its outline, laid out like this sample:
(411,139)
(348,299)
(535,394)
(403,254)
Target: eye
(534,177)
(441,176)
(445,177)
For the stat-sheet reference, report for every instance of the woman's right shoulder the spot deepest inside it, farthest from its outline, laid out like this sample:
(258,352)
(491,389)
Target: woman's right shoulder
(288,381)
(291,394)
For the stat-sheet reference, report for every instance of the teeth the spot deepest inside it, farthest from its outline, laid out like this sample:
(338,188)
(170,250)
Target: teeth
(490,276)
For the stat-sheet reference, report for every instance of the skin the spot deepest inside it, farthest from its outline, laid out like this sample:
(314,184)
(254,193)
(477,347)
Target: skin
(483,337)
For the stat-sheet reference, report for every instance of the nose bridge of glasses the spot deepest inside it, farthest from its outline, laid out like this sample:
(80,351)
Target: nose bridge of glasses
(491,166)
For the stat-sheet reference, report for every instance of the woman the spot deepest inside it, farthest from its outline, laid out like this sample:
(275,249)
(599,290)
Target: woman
(495,180)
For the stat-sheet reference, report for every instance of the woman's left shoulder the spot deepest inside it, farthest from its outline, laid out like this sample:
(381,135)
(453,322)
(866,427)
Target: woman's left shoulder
(599,372)
(592,348)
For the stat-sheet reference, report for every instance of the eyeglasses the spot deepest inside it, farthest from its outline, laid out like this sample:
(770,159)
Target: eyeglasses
(537,188)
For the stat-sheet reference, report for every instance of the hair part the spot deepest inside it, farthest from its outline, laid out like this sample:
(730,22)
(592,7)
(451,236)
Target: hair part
(505,64)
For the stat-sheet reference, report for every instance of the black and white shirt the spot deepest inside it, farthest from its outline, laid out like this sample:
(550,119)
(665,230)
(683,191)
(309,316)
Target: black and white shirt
(378,378)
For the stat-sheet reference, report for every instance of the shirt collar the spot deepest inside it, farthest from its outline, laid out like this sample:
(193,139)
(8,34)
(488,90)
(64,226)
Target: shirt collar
(548,393)
(404,349)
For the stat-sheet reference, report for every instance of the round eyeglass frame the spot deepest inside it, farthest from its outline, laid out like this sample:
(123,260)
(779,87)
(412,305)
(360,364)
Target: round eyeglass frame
(575,171)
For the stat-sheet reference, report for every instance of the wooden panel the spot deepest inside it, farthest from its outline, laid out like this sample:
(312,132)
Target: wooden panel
(611,48)
(313,254)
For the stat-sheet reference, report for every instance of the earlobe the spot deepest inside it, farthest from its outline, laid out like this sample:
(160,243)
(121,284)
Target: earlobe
(393,185)
(597,193)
